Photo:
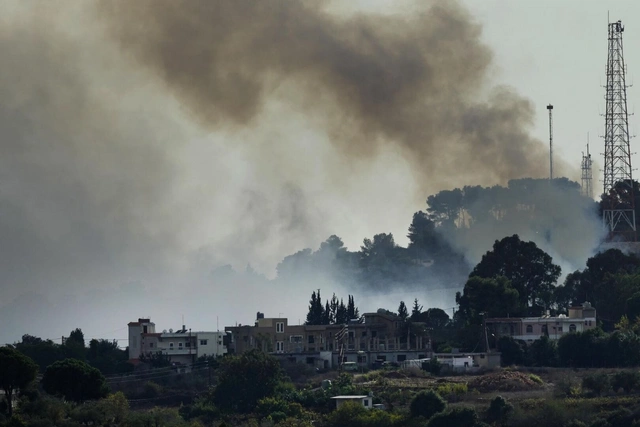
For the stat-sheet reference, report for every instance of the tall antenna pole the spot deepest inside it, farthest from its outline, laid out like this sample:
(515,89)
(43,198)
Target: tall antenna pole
(587,174)
(550,108)
(618,213)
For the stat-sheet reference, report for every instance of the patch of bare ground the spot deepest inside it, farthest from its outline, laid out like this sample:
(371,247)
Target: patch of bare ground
(506,380)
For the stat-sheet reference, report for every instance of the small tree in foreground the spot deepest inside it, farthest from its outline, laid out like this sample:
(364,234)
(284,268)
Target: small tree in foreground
(499,410)
(74,380)
(16,372)
(598,383)
(427,404)
(245,379)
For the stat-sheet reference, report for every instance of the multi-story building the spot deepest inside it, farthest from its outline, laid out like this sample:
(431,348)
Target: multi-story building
(182,346)
(375,336)
(529,329)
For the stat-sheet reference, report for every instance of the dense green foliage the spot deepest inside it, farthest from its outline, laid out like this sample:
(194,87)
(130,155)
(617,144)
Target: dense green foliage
(332,312)
(245,379)
(426,404)
(74,380)
(519,280)
(16,372)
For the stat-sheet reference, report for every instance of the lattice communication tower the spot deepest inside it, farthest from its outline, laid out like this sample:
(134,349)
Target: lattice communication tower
(587,174)
(618,208)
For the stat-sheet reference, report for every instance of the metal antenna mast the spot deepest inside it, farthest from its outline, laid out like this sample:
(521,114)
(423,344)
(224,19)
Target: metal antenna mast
(618,213)
(587,175)
(550,108)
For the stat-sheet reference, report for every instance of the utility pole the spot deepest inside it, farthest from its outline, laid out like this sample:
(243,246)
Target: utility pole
(587,174)
(550,108)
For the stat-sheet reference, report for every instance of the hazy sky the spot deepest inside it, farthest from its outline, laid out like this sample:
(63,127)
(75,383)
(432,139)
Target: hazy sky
(137,158)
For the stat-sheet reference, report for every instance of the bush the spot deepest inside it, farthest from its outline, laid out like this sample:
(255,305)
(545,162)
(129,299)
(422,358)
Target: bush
(499,410)
(151,389)
(452,391)
(598,383)
(353,414)
(512,352)
(567,386)
(458,417)
(536,379)
(433,366)
(625,380)
(427,404)
(270,405)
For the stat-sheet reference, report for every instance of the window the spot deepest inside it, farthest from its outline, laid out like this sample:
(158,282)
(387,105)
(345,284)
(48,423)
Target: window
(171,345)
(144,329)
(279,346)
(180,345)
(188,344)
(295,338)
(572,328)
(545,330)
(364,334)
(366,402)
(529,329)
(374,334)
(402,357)
(559,328)
(204,342)
(279,327)
(589,322)
(150,345)
(311,339)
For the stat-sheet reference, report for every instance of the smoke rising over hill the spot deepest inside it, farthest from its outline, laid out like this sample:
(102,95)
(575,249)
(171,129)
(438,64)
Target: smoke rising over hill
(149,142)
(413,82)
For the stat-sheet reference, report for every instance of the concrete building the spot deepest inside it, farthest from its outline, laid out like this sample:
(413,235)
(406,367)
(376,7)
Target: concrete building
(375,336)
(366,401)
(182,346)
(529,329)
(464,362)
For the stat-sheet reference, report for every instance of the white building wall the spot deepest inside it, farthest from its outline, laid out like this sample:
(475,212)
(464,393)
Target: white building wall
(210,344)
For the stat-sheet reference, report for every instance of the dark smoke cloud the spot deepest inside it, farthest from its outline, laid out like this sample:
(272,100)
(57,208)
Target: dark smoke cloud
(148,142)
(412,82)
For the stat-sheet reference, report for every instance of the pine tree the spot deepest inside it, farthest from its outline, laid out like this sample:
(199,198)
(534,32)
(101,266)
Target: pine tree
(416,311)
(326,314)
(402,311)
(341,314)
(334,308)
(315,316)
(352,311)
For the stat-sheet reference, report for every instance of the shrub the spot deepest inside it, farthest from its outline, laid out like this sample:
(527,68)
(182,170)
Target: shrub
(353,414)
(451,391)
(536,379)
(458,417)
(625,380)
(567,386)
(598,383)
(499,410)
(270,405)
(433,366)
(427,404)
(152,389)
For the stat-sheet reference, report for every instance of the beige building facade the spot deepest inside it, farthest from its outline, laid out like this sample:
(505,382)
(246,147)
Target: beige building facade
(182,346)
(579,319)
(376,336)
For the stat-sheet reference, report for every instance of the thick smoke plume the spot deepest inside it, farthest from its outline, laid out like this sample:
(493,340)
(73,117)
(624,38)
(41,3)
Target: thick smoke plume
(411,82)
(145,143)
